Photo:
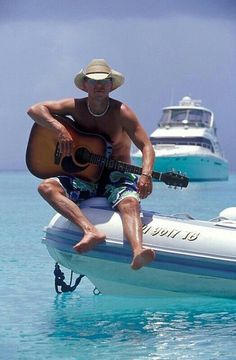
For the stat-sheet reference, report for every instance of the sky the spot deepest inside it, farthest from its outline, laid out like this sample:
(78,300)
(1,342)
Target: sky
(166,49)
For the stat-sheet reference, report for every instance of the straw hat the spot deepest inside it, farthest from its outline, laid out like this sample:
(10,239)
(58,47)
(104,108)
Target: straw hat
(98,69)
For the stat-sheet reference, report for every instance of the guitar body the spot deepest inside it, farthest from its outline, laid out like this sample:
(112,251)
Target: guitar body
(44,160)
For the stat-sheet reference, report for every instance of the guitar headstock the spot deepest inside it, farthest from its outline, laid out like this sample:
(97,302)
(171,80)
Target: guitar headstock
(174,179)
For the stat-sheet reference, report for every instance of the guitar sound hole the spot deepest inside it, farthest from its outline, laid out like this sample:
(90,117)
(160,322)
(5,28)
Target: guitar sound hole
(68,165)
(82,155)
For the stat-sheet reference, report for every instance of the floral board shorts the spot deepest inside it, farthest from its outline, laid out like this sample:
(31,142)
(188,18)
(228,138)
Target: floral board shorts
(114,185)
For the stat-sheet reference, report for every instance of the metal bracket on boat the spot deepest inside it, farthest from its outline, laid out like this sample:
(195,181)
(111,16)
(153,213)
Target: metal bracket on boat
(59,281)
(96,291)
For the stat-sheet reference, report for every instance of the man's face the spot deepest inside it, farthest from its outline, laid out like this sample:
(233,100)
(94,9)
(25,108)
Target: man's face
(97,88)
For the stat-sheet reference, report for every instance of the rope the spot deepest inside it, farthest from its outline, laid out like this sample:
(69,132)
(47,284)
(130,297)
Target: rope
(59,281)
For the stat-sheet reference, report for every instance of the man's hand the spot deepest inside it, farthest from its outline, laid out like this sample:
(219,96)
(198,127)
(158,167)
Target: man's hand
(144,186)
(65,142)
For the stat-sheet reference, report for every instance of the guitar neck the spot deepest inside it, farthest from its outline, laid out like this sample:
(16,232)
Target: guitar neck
(120,166)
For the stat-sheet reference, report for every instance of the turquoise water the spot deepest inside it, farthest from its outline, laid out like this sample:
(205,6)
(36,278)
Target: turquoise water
(36,323)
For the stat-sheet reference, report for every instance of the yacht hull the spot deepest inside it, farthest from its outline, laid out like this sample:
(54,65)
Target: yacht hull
(196,167)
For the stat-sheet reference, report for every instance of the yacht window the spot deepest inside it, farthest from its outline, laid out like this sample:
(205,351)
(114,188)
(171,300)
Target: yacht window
(197,141)
(206,118)
(165,118)
(195,116)
(178,115)
(192,117)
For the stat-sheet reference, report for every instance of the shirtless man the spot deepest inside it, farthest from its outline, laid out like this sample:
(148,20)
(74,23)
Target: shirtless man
(100,114)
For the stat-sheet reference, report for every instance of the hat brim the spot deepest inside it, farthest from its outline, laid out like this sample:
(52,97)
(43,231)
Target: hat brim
(117,78)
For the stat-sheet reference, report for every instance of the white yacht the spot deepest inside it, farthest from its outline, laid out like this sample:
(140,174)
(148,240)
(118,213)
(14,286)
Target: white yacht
(186,141)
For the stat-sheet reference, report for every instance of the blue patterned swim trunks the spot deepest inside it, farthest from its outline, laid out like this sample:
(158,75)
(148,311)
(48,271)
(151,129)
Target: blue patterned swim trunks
(114,185)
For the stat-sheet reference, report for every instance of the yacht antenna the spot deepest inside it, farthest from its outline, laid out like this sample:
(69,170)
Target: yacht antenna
(172,96)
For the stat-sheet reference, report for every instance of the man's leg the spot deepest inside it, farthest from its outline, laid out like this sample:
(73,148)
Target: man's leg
(54,194)
(129,209)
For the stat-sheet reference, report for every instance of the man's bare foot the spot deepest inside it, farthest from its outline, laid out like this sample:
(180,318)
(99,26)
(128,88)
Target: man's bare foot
(89,241)
(144,257)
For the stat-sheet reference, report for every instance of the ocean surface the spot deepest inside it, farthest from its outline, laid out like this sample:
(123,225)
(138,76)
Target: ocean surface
(36,323)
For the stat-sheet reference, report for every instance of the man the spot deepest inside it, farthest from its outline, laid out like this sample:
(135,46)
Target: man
(100,114)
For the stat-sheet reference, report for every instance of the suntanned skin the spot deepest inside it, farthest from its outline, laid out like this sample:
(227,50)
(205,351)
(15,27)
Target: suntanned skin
(122,127)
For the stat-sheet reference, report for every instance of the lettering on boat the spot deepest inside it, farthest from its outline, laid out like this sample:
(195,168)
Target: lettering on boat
(171,233)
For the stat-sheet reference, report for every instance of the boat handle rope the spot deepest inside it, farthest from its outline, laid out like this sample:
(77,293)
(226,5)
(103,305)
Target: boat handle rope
(59,281)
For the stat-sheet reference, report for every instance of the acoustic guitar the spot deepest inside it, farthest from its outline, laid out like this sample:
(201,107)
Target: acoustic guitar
(90,156)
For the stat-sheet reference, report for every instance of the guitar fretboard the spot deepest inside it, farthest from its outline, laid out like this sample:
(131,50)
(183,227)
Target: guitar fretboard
(114,164)
(169,178)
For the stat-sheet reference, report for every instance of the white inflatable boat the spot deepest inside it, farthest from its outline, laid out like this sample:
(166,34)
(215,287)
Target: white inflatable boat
(192,256)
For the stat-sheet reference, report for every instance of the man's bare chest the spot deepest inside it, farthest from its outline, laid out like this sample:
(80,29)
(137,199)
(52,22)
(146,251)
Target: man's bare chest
(109,128)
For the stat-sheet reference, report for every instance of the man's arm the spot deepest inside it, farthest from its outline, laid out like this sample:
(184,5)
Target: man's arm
(140,138)
(42,114)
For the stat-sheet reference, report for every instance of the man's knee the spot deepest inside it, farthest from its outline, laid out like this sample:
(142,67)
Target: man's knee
(47,187)
(128,204)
